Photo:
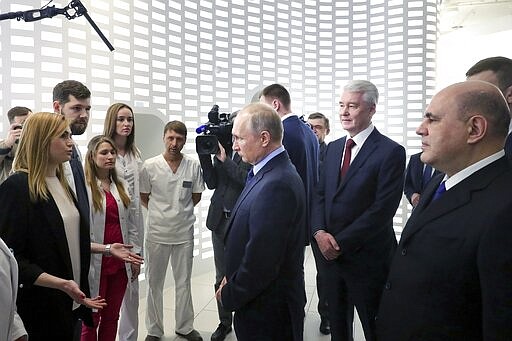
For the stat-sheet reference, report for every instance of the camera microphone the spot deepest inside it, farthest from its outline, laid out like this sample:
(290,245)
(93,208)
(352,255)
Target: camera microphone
(201,129)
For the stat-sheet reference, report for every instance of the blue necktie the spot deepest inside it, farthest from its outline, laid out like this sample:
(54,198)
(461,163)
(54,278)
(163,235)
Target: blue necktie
(440,191)
(78,176)
(427,175)
(250,175)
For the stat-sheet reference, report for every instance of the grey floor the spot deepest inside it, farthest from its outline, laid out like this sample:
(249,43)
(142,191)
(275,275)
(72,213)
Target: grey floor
(206,319)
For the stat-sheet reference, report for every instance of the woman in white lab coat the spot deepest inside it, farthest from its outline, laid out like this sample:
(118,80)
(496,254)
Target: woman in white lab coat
(112,221)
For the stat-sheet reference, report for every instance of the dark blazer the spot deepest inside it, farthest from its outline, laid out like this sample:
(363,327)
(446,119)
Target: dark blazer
(227,179)
(414,176)
(265,255)
(300,142)
(451,277)
(359,211)
(35,232)
(508,146)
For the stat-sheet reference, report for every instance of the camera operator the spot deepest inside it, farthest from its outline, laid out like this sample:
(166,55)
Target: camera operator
(226,175)
(8,146)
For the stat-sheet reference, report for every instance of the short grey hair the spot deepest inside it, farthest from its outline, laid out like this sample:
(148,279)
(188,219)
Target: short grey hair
(368,89)
(262,117)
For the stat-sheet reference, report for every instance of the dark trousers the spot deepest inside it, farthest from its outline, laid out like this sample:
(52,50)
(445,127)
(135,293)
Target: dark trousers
(321,281)
(225,317)
(344,293)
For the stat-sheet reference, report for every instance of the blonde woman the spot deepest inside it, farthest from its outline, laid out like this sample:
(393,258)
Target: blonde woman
(40,222)
(112,221)
(120,127)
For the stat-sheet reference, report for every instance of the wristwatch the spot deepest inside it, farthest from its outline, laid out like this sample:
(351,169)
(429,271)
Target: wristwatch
(107,252)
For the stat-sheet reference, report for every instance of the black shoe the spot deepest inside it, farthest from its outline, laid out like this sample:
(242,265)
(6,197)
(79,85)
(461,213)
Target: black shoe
(192,336)
(220,333)
(325,326)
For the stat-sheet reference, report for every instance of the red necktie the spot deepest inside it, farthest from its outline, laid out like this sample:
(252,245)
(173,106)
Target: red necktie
(348,155)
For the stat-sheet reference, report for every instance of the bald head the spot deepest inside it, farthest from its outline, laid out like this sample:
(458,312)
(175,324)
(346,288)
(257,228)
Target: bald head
(479,97)
(463,124)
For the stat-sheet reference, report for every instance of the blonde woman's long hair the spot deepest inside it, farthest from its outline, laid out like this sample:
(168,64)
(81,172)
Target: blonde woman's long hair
(91,173)
(109,128)
(33,155)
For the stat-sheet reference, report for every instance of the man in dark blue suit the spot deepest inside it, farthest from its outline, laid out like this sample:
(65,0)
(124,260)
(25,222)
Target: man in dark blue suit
(264,283)
(417,177)
(299,141)
(451,275)
(302,145)
(497,71)
(359,191)
(227,176)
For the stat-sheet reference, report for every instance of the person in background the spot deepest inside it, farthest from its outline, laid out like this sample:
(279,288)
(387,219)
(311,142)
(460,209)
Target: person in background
(8,146)
(320,125)
(11,326)
(227,175)
(112,221)
(170,186)
(299,141)
(120,127)
(264,283)
(450,276)
(358,194)
(417,177)
(72,99)
(497,71)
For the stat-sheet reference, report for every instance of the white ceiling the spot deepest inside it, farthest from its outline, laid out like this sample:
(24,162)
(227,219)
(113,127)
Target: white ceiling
(486,16)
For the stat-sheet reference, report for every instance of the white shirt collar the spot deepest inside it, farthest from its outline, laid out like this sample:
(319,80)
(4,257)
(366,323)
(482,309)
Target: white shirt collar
(466,172)
(361,137)
(287,115)
(257,167)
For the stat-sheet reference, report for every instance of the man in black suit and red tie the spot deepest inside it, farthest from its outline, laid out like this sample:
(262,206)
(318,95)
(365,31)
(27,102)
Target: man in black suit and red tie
(359,191)
(451,276)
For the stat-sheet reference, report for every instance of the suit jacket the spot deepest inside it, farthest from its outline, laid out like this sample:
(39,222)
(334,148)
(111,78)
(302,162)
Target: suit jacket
(359,210)
(300,142)
(414,176)
(11,326)
(265,254)
(35,232)
(6,159)
(508,146)
(451,275)
(228,180)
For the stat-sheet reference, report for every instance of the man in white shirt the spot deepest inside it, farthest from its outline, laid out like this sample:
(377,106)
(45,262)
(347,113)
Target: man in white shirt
(170,186)
(451,276)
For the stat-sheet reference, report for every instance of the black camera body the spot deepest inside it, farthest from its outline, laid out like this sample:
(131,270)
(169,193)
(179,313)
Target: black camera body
(217,129)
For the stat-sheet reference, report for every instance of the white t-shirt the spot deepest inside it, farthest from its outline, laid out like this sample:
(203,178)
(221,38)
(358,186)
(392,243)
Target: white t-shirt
(170,218)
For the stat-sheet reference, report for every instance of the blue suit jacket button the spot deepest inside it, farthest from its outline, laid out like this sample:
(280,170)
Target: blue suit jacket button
(387,286)
(404,251)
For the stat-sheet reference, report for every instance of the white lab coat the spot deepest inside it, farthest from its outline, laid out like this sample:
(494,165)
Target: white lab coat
(11,326)
(129,231)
